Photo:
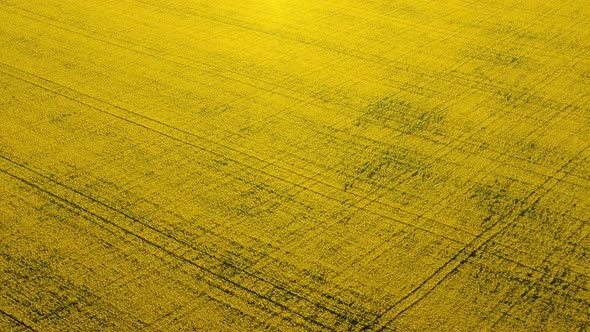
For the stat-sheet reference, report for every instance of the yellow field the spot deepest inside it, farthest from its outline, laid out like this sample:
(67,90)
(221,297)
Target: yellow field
(173,165)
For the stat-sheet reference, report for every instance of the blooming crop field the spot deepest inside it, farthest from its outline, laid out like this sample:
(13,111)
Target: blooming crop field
(330,165)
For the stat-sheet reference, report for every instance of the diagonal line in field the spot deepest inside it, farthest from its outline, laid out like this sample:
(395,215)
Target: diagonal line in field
(77,97)
(452,265)
(150,239)
(16,320)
